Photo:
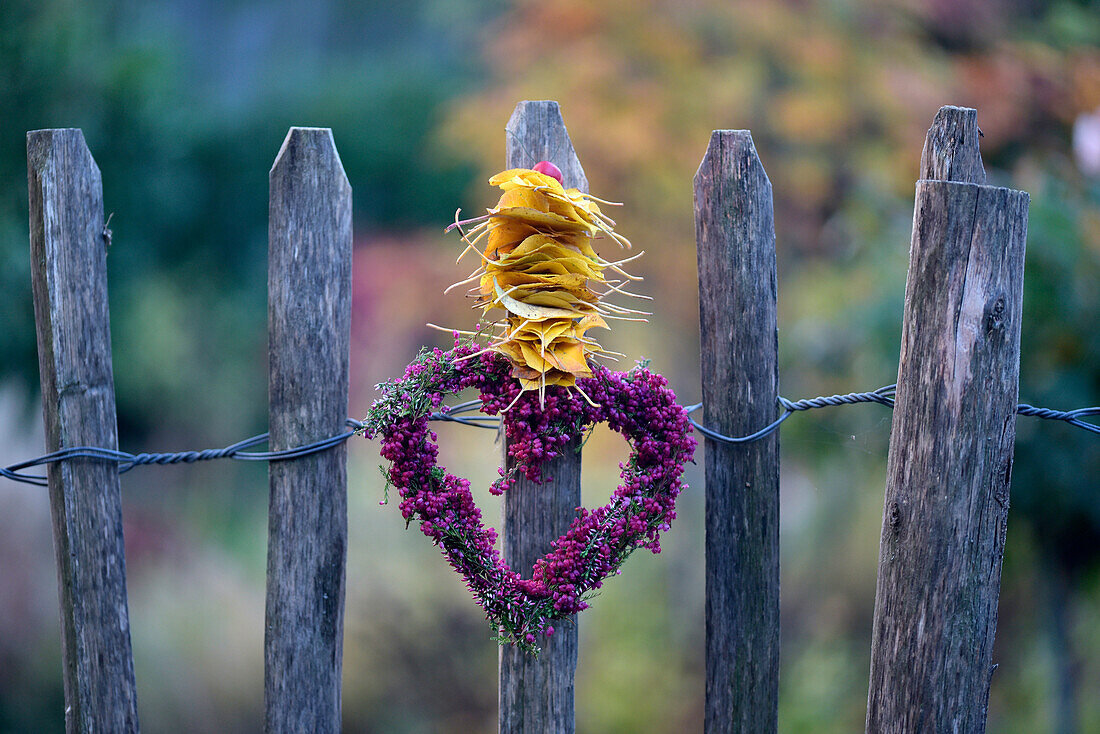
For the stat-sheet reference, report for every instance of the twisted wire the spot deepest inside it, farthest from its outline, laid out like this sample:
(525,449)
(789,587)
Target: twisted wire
(883,396)
(1073,417)
(126,461)
(458,414)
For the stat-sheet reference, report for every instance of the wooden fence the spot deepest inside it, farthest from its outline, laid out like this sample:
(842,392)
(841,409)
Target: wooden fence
(949,465)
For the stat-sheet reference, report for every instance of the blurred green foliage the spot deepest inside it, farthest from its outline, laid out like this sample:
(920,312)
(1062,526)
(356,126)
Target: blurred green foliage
(184,104)
(1056,469)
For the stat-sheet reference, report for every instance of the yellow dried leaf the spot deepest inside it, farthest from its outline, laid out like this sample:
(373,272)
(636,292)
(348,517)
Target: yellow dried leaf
(540,219)
(523,198)
(553,377)
(556,299)
(517,177)
(544,331)
(528,311)
(536,358)
(519,285)
(505,233)
(591,321)
(570,357)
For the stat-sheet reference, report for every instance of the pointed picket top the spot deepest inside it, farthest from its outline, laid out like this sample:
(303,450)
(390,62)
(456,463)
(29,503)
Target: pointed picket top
(536,132)
(951,151)
(313,146)
(61,146)
(724,144)
(731,159)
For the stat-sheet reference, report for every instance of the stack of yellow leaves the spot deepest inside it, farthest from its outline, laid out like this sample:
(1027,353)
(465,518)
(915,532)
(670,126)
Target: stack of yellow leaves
(538,265)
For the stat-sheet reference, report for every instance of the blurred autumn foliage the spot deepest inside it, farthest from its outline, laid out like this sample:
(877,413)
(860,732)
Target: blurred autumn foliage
(184,103)
(838,97)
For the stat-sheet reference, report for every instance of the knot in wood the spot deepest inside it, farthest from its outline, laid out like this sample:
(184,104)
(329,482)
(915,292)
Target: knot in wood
(895,517)
(995,315)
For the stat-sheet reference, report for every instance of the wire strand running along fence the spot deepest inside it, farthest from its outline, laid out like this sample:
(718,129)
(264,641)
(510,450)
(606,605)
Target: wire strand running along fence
(456,414)
(949,462)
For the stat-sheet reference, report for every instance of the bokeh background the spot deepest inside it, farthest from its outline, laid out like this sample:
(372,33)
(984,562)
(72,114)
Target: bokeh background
(184,104)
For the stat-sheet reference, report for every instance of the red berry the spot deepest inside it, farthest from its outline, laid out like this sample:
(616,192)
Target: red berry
(548,169)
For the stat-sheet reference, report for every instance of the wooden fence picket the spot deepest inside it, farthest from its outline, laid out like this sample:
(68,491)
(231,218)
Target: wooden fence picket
(735,238)
(951,445)
(309,319)
(536,693)
(69,282)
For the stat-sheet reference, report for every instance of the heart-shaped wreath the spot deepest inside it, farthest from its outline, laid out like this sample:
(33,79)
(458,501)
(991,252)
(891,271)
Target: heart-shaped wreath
(538,265)
(637,404)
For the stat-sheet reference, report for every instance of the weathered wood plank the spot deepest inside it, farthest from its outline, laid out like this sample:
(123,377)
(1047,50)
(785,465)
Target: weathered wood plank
(69,279)
(947,489)
(309,319)
(735,237)
(536,694)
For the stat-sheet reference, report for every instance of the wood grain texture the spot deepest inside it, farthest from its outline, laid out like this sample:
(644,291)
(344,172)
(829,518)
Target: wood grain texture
(536,693)
(947,489)
(735,239)
(951,151)
(69,279)
(309,318)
